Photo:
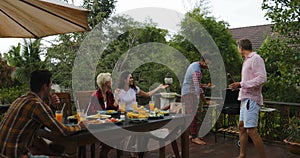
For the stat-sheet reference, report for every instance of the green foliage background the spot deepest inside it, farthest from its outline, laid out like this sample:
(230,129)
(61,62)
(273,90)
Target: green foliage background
(281,52)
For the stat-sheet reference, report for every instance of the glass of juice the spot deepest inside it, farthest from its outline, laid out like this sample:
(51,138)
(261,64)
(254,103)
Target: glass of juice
(134,106)
(122,107)
(151,105)
(58,115)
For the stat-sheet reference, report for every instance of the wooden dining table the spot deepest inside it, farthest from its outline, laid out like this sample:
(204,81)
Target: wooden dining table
(72,143)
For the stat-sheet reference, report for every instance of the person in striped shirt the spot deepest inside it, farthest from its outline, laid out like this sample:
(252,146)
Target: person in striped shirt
(192,91)
(27,114)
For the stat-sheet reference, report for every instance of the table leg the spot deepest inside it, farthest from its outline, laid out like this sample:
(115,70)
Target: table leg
(82,152)
(162,152)
(185,144)
(175,149)
(93,151)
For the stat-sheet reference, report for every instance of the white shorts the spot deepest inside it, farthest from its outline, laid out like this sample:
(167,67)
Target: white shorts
(249,116)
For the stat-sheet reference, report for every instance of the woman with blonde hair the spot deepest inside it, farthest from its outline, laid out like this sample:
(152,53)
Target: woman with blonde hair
(102,98)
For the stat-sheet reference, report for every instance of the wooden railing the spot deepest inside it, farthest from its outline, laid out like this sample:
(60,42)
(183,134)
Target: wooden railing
(277,121)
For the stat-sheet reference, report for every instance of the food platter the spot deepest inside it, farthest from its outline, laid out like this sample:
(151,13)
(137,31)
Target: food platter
(98,116)
(209,86)
(103,123)
(165,112)
(109,112)
(168,95)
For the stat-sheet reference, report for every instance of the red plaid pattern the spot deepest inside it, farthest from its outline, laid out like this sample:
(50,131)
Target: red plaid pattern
(191,105)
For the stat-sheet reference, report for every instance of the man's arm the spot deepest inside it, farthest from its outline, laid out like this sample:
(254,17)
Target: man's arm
(198,87)
(43,114)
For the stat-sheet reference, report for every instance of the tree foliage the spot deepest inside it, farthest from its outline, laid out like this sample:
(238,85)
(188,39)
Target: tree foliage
(62,52)
(5,73)
(26,59)
(219,32)
(281,52)
(22,59)
(285,16)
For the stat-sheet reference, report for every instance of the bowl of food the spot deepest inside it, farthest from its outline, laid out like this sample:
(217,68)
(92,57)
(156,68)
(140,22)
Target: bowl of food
(168,95)
(111,111)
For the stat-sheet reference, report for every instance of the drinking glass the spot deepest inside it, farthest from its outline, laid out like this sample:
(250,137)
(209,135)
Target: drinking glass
(151,105)
(134,106)
(122,107)
(58,115)
(81,116)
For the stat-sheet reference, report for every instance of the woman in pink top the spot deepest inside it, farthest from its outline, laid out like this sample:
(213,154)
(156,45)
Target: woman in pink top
(253,77)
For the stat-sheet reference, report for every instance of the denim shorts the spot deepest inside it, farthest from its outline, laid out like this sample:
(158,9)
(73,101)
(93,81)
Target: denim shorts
(249,115)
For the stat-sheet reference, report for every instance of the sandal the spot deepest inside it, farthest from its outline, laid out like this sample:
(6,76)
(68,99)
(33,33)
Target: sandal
(198,141)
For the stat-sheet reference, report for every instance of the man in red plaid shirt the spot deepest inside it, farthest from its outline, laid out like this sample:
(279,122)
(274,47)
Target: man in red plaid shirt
(191,91)
(27,114)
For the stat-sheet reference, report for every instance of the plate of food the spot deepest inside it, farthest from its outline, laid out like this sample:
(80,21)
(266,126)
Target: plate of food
(168,95)
(109,112)
(155,116)
(98,116)
(113,120)
(93,117)
(137,117)
(164,112)
(209,86)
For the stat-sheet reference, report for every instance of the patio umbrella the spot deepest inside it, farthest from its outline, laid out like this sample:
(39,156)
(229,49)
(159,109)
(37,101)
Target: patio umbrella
(39,18)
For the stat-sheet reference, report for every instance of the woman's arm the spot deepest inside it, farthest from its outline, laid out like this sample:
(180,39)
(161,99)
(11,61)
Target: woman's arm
(148,94)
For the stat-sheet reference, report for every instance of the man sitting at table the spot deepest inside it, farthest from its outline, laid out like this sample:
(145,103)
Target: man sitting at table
(27,115)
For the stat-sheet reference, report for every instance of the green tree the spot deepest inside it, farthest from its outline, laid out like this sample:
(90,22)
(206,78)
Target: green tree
(26,59)
(281,62)
(60,57)
(5,73)
(219,32)
(281,52)
(62,52)
(123,49)
(285,16)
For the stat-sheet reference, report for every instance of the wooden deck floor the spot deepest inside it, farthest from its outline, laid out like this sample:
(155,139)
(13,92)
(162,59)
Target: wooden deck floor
(223,148)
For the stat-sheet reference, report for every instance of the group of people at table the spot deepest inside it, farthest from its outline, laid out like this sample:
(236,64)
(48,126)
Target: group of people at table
(29,113)
(126,92)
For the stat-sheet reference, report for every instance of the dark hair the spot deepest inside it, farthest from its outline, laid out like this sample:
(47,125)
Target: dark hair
(38,78)
(124,76)
(245,44)
(205,57)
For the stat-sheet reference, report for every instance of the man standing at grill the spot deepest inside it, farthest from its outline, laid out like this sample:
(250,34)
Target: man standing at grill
(191,92)
(253,77)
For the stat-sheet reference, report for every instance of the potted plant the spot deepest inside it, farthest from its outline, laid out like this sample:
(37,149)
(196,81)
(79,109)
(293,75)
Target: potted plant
(293,139)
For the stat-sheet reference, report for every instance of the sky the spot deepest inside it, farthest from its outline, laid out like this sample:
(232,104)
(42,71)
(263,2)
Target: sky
(238,13)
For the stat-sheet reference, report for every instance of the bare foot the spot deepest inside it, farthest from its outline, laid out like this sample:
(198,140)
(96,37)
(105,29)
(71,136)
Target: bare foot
(134,155)
(198,141)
